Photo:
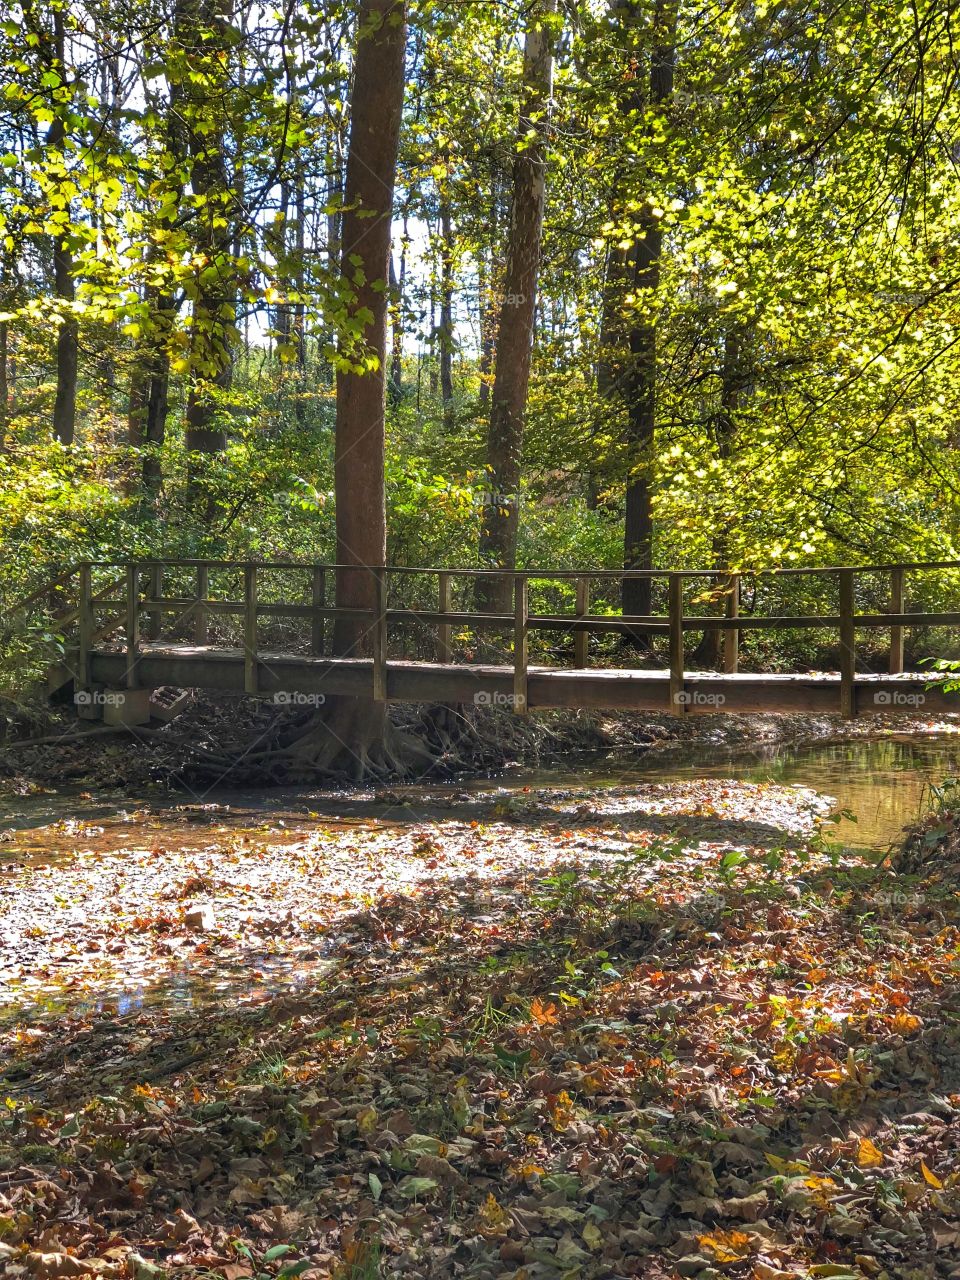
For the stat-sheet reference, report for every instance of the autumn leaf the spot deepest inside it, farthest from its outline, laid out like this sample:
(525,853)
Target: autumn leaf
(544,1015)
(728,1246)
(868,1155)
(929,1177)
(904,1024)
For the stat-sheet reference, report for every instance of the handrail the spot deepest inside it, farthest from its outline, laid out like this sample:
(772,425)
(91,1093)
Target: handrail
(728,620)
(530,574)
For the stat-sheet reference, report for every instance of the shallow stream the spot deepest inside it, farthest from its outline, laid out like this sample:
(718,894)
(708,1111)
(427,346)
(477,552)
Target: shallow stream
(884,782)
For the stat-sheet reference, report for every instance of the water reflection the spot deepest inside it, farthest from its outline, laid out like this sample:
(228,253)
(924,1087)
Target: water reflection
(885,782)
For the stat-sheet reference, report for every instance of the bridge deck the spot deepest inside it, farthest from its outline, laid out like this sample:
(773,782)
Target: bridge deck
(279,675)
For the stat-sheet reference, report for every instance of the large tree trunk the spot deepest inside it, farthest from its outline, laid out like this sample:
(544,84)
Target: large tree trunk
(377,105)
(354,736)
(501,512)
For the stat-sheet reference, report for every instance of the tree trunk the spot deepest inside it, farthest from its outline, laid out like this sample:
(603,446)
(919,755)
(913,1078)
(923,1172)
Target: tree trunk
(354,735)
(434,336)
(710,648)
(639,379)
(501,512)
(214,287)
(4,384)
(65,405)
(299,318)
(377,104)
(396,329)
(446,311)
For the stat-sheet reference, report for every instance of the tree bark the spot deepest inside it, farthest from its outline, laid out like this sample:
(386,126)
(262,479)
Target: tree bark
(4,384)
(396,327)
(514,347)
(65,405)
(446,310)
(377,104)
(710,648)
(639,379)
(215,285)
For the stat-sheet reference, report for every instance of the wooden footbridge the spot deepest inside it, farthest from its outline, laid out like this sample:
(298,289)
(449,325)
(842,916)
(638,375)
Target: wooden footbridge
(262,629)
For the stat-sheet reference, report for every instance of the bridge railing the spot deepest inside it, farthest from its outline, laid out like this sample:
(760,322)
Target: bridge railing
(133,601)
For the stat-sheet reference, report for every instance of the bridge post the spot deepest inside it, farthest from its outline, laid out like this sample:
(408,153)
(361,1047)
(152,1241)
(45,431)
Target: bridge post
(156,591)
(380,635)
(897,605)
(202,621)
(250,674)
(731,638)
(445,598)
(521,643)
(132,628)
(848,645)
(318,600)
(581,639)
(678,701)
(85,625)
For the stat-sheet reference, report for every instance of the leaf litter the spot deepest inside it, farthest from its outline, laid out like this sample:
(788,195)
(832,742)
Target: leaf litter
(665,1030)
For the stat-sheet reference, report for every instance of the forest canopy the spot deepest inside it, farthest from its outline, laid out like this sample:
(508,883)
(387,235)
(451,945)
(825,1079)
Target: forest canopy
(668,284)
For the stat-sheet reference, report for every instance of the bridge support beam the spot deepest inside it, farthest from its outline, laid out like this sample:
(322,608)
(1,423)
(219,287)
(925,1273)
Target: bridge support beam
(848,646)
(678,697)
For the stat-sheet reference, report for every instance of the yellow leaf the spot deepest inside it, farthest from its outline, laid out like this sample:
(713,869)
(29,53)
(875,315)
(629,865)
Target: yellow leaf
(592,1236)
(779,1165)
(869,1156)
(367,1120)
(929,1177)
(905,1024)
(727,1246)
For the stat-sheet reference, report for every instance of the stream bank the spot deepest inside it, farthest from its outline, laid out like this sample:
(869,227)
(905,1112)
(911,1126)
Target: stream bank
(466,741)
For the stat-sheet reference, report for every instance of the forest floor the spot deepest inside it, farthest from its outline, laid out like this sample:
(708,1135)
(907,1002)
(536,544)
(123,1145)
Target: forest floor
(659,1030)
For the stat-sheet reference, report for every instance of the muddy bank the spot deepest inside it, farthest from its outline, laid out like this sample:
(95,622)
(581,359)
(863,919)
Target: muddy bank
(218,741)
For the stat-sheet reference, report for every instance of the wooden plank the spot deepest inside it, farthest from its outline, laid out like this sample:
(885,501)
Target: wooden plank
(678,697)
(731,639)
(380,635)
(201,623)
(848,645)
(634,689)
(132,628)
(85,626)
(897,605)
(250,666)
(581,639)
(445,632)
(318,600)
(521,645)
